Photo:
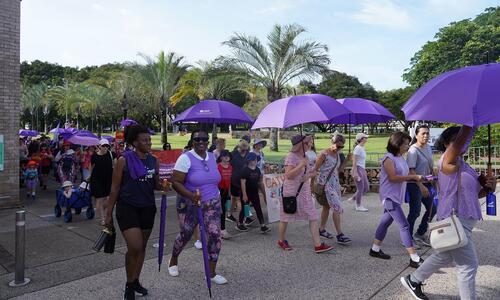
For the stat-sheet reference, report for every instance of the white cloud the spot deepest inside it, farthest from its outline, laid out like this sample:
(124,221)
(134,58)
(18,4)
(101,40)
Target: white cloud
(383,13)
(447,6)
(97,7)
(125,12)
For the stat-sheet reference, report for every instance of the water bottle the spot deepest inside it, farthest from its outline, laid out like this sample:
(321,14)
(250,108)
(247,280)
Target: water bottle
(103,237)
(246,210)
(491,204)
(228,205)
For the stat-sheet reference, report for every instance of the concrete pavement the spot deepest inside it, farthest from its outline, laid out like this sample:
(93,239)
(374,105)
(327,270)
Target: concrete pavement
(62,265)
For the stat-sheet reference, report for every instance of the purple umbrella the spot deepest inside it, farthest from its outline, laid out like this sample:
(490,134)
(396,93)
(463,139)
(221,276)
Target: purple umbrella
(300,109)
(86,133)
(151,131)
(363,111)
(83,140)
(163,215)
(24,132)
(203,236)
(108,137)
(215,112)
(127,122)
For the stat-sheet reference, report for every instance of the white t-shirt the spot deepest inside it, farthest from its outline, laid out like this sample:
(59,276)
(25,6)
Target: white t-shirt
(360,154)
(183,163)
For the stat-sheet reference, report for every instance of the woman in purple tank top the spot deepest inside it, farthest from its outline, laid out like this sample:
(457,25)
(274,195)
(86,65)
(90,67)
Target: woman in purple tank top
(394,174)
(460,188)
(196,179)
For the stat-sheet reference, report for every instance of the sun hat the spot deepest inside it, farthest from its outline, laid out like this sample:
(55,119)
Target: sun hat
(259,141)
(70,152)
(361,136)
(67,183)
(103,142)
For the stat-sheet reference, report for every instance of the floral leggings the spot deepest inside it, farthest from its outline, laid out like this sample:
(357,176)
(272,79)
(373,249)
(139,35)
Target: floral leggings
(188,219)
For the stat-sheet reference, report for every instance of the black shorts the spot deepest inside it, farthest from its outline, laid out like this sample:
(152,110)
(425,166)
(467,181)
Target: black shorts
(235,190)
(129,216)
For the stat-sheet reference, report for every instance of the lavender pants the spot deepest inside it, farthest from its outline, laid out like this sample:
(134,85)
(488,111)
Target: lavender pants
(394,212)
(188,219)
(362,186)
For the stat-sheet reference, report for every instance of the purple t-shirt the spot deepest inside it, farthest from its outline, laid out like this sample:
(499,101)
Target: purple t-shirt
(394,191)
(203,175)
(468,205)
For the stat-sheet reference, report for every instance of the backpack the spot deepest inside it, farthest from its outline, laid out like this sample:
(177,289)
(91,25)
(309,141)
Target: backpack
(67,163)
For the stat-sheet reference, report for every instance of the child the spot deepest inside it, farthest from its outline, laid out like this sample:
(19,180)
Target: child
(68,189)
(31,178)
(225,170)
(251,183)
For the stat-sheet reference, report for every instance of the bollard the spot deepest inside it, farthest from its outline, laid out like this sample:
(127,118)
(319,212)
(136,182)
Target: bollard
(19,279)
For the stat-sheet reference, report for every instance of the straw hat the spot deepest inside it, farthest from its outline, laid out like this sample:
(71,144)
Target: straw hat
(361,136)
(67,184)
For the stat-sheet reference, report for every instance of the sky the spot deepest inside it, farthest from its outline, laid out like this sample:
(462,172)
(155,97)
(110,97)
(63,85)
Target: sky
(373,40)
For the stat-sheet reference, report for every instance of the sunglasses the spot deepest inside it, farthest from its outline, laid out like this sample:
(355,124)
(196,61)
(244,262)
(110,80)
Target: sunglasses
(339,147)
(200,139)
(205,166)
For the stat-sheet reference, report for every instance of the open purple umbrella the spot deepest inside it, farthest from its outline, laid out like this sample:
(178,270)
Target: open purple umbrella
(127,122)
(300,109)
(363,111)
(203,235)
(84,132)
(161,242)
(214,112)
(24,132)
(468,96)
(108,137)
(83,140)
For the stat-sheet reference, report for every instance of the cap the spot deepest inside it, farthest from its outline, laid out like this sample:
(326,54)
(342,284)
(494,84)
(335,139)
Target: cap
(252,156)
(67,184)
(245,138)
(260,141)
(361,135)
(103,141)
(31,163)
(297,139)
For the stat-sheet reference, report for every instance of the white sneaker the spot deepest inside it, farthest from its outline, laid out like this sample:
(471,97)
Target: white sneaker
(173,271)
(217,279)
(198,245)
(361,208)
(225,235)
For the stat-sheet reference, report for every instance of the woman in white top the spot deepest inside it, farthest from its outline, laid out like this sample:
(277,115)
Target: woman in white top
(359,171)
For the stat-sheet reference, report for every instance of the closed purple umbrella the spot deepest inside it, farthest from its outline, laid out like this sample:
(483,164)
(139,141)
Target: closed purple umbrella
(300,109)
(163,219)
(214,112)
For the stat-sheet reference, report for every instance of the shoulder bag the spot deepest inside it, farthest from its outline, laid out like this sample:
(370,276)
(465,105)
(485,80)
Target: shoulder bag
(448,234)
(290,202)
(319,189)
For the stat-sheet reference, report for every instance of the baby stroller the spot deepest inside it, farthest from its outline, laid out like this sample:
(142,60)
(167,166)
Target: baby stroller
(80,198)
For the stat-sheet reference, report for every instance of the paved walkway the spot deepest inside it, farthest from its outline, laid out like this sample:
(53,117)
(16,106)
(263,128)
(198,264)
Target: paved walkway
(62,265)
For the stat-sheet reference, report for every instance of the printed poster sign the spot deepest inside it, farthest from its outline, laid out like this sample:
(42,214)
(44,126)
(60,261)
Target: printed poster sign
(167,160)
(272,185)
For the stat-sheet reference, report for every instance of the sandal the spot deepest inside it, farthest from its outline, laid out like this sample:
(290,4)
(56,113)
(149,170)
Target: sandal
(325,234)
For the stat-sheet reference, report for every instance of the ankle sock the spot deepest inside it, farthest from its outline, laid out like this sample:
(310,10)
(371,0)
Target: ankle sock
(376,248)
(415,257)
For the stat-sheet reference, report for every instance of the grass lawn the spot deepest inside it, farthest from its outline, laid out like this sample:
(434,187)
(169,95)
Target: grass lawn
(376,144)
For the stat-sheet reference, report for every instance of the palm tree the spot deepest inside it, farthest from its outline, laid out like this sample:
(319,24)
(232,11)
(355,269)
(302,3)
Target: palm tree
(94,99)
(162,75)
(285,59)
(67,97)
(32,98)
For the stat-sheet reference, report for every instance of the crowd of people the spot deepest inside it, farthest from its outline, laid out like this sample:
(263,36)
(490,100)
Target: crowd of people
(225,185)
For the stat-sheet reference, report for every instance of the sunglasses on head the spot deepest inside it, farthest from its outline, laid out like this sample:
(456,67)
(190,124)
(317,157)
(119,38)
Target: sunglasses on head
(200,139)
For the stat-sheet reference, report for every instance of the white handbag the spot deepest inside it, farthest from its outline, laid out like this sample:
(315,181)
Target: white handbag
(449,233)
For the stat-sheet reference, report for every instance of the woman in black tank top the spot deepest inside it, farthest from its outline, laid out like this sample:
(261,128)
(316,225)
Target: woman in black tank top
(135,177)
